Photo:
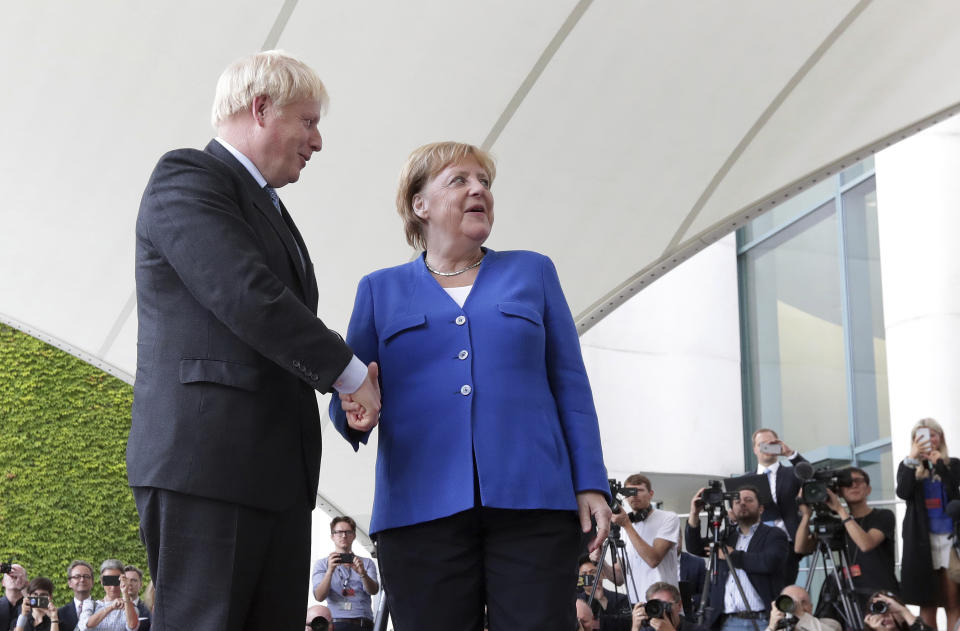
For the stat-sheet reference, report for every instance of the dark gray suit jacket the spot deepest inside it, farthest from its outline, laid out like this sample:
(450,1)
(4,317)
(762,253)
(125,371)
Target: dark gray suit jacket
(229,347)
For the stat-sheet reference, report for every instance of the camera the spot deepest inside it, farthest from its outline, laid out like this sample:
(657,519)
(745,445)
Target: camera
(40,602)
(714,495)
(319,624)
(816,483)
(110,581)
(6,567)
(586,580)
(654,608)
(618,490)
(346,557)
(879,606)
(785,604)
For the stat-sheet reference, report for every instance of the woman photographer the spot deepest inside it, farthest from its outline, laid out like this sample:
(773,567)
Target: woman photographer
(886,611)
(38,613)
(928,479)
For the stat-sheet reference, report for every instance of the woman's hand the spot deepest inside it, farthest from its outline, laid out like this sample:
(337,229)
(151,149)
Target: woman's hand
(594,503)
(919,448)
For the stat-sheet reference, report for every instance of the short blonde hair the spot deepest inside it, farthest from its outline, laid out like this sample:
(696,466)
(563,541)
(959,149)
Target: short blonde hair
(272,73)
(423,164)
(921,470)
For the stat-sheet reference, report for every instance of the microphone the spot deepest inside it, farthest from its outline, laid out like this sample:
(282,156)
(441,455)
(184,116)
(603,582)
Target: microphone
(803,470)
(953,510)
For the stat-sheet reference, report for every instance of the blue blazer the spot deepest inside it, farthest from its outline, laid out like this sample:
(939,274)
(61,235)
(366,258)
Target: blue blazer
(501,379)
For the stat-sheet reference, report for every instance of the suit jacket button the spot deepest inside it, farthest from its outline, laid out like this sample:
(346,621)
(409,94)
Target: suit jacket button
(463,354)
(465,390)
(460,320)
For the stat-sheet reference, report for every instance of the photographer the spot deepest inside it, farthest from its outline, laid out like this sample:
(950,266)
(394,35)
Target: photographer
(782,511)
(652,534)
(346,581)
(14,584)
(662,610)
(134,585)
(928,479)
(116,611)
(793,610)
(887,612)
(38,611)
(605,602)
(868,537)
(319,618)
(757,553)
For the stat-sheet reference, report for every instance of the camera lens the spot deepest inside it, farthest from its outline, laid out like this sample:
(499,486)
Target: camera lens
(879,606)
(785,604)
(654,608)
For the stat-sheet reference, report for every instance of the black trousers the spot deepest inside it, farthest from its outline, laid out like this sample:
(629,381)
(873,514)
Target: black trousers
(221,566)
(521,564)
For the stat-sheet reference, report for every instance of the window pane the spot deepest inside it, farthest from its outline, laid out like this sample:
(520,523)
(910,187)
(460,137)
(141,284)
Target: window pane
(790,209)
(794,353)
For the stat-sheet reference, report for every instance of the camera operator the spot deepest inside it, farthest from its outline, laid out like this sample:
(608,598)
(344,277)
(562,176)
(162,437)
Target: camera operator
(14,584)
(652,534)
(887,612)
(605,602)
(793,610)
(319,618)
(868,535)
(38,611)
(784,485)
(345,580)
(757,553)
(116,611)
(662,610)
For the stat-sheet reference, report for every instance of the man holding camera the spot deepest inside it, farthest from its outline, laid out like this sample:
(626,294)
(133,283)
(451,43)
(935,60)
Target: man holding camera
(784,484)
(662,610)
(134,585)
(793,610)
(116,612)
(605,602)
(14,584)
(756,552)
(652,534)
(868,535)
(346,581)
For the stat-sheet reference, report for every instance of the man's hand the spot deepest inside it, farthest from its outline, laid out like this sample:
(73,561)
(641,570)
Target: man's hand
(621,518)
(775,616)
(696,503)
(833,503)
(661,624)
(333,560)
(594,503)
(785,449)
(363,406)
(803,506)
(637,616)
(358,566)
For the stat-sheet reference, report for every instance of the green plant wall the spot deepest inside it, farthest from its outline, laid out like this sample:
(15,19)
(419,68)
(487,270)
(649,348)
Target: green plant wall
(63,479)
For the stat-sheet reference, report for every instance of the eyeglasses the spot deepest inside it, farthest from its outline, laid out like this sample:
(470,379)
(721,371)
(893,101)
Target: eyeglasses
(342,533)
(858,482)
(81,577)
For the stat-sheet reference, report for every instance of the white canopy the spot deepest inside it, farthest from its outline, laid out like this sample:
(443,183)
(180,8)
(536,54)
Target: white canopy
(629,134)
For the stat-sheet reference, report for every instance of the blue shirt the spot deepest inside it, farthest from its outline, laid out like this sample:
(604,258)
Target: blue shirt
(347,597)
(935,498)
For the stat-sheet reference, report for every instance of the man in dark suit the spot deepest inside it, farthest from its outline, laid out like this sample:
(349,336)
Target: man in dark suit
(782,512)
(80,580)
(224,449)
(14,588)
(756,552)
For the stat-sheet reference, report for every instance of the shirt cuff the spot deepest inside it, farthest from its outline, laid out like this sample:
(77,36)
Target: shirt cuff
(795,455)
(352,377)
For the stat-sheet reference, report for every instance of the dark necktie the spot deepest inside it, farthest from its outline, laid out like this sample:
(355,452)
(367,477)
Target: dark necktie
(276,202)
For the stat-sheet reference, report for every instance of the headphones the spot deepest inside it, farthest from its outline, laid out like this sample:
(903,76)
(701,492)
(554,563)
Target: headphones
(640,515)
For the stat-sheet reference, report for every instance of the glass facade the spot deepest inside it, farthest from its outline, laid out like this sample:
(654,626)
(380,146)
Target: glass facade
(813,356)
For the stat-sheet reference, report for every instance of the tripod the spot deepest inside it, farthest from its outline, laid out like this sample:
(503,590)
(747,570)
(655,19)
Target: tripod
(717,526)
(618,551)
(829,541)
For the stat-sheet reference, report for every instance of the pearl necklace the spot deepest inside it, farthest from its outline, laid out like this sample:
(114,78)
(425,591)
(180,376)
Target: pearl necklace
(459,271)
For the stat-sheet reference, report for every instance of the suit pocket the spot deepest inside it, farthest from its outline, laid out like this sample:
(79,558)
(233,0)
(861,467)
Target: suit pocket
(404,323)
(219,371)
(520,310)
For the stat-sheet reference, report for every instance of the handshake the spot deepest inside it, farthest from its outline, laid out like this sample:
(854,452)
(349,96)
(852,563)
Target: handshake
(363,405)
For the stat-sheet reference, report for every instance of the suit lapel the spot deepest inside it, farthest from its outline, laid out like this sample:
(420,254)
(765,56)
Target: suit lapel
(263,203)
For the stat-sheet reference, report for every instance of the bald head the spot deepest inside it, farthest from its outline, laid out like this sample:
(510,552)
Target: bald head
(319,610)
(800,597)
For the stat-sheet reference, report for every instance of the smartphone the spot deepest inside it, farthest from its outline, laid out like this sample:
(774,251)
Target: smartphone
(110,581)
(771,448)
(346,557)
(923,435)
(40,602)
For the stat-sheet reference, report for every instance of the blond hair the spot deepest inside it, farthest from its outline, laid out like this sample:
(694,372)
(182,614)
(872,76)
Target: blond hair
(273,73)
(423,164)
(921,470)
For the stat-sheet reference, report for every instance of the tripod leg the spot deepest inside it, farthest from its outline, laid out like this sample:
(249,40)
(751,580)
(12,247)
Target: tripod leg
(743,595)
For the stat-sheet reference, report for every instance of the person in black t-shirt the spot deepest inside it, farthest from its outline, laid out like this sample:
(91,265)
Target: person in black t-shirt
(869,537)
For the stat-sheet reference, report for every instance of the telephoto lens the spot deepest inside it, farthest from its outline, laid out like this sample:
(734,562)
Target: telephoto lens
(879,606)
(656,608)
(785,604)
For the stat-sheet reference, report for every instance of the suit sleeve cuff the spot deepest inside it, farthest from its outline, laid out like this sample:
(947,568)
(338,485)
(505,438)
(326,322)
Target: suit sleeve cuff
(352,377)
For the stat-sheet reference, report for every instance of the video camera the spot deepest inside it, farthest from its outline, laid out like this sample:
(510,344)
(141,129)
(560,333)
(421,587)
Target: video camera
(618,490)
(817,482)
(714,496)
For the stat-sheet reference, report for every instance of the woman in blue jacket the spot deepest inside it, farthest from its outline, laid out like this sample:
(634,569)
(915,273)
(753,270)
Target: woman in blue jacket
(489,445)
